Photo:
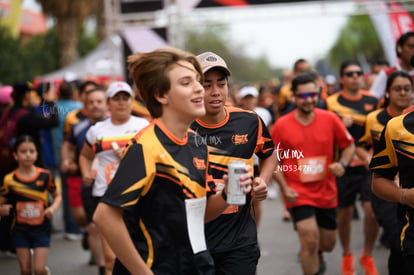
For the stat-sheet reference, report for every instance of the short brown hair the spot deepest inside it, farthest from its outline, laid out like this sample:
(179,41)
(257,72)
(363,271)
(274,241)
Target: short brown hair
(149,73)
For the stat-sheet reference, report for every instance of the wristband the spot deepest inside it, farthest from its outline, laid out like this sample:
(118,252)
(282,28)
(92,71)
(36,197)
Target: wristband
(401,196)
(344,164)
(224,195)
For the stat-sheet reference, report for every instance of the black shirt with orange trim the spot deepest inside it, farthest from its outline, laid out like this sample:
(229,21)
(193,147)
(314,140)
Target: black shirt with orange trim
(374,125)
(241,135)
(29,197)
(358,108)
(156,175)
(73,118)
(395,154)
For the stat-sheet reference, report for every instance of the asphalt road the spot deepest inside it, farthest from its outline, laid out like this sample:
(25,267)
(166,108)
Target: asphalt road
(278,242)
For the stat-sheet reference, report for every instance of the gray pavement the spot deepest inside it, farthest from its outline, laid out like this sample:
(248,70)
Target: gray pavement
(278,242)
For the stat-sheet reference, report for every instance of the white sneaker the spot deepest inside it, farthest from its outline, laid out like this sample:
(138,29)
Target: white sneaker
(73,237)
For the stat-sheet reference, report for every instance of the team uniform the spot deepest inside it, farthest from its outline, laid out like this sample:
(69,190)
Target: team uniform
(158,177)
(233,234)
(73,118)
(385,211)
(29,197)
(356,178)
(100,137)
(394,154)
(304,154)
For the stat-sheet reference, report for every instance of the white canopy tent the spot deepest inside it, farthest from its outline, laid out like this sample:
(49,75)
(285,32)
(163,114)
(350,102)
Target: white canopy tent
(107,61)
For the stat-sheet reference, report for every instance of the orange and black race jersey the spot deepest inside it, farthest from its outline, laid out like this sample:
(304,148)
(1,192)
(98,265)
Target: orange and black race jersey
(241,135)
(374,125)
(71,119)
(29,197)
(395,154)
(157,175)
(358,109)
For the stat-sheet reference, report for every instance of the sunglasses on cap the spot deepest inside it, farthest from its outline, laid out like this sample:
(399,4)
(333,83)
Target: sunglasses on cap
(351,73)
(307,95)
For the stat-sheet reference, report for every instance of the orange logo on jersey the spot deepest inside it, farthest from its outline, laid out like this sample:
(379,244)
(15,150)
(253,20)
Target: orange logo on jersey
(199,163)
(368,107)
(39,183)
(239,139)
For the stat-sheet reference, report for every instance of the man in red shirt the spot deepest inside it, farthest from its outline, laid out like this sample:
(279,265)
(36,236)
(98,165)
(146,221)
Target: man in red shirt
(306,170)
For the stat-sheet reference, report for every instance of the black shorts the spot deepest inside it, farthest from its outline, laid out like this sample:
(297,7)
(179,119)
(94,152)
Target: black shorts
(89,202)
(356,180)
(386,213)
(325,217)
(242,261)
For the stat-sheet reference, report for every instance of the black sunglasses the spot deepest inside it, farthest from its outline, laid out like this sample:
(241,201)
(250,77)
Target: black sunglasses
(351,73)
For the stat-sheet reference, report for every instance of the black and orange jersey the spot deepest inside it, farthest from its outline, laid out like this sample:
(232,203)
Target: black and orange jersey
(241,135)
(29,197)
(139,109)
(374,125)
(358,108)
(156,175)
(71,119)
(395,154)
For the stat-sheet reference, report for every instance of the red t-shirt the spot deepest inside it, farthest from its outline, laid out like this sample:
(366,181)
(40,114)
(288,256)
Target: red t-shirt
(304,154)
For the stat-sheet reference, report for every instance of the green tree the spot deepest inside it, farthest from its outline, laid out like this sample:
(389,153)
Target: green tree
(215,38)
(358,37)
(38,56)
(69,16)
(10,56)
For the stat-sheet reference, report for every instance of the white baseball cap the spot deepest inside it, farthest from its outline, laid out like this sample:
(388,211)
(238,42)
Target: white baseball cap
(248,90)
(117,87)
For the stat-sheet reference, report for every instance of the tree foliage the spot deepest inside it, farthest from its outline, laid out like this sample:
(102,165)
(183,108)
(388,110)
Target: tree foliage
(38,56)
(69,16)
(244,69)
(357,39)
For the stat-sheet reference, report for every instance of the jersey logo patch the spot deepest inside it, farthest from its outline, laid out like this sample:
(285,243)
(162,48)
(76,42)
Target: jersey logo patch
(368,107)
(199,163)
(239,139)
(39,183)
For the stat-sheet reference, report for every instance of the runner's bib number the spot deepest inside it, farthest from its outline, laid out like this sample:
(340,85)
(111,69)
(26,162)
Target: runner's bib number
(30,212)
(312,169)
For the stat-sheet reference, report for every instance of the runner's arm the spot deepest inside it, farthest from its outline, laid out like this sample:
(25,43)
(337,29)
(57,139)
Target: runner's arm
(118,238)
(85,163)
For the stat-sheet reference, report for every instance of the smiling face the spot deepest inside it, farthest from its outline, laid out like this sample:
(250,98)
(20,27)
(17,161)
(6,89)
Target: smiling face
(185,98)
(216,88)
(306,97)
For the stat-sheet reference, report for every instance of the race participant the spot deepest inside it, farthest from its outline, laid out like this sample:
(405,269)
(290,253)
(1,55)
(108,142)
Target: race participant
(306,170)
